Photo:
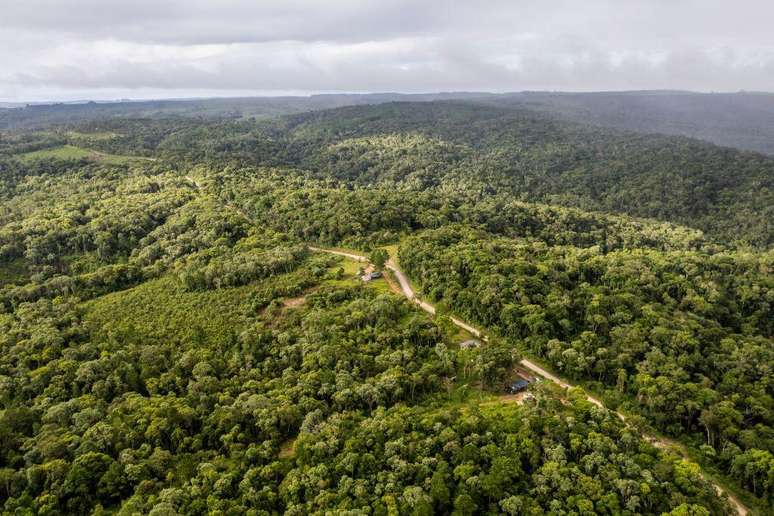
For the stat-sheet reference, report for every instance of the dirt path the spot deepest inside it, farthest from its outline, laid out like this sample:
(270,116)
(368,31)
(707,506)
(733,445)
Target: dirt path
(194,182)
(405,286)
(293,302)
(351,256)
(507,398)
(392,282)
(548,376)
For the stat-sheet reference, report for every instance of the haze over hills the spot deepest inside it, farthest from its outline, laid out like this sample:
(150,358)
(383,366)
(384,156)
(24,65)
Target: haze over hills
(44,115)
(742,120)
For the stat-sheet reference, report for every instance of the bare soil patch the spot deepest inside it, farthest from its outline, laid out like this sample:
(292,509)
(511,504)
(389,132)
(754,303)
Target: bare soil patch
(293,302)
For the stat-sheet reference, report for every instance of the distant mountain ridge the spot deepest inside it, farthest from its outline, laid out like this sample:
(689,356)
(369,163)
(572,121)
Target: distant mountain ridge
(742,120)
(39,115)
(482,150)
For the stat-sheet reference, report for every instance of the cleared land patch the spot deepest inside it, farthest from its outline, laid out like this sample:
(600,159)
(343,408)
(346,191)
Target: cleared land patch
(73,152)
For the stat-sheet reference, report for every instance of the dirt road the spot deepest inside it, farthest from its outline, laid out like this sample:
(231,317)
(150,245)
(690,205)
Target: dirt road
(194,182)
(356,257)
(405,286)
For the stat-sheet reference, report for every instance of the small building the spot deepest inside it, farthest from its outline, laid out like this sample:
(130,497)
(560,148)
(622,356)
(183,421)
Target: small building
(371,276)
(469,344)
(518,386)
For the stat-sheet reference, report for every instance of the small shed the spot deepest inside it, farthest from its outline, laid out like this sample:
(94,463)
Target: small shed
(469,344)
(518,386)
(371,276)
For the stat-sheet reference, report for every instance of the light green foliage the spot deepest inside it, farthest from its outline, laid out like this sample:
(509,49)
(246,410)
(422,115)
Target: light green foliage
(486,461)
(174,347)
(688,340)
(379,257)
(71,152)
(161,311)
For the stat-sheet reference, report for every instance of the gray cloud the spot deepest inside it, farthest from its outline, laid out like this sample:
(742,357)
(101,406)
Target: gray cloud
(105,49)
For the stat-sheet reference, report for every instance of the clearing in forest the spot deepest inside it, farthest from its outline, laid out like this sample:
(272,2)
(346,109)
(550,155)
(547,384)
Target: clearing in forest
(73,152)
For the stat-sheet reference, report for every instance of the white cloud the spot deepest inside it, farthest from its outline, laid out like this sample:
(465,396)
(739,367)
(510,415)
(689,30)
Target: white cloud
(106,49)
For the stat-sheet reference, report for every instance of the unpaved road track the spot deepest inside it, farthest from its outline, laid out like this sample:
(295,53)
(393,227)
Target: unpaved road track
(405,286)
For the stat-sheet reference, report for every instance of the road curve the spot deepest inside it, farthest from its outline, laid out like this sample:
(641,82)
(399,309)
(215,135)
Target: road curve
(194,182)
(405,286)
(352,256)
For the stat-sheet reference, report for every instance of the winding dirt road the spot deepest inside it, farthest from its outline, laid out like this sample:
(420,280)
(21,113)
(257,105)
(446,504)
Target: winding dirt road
(405,286)
(408,291)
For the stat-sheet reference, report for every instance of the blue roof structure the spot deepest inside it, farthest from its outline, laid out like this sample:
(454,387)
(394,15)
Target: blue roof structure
(518,386)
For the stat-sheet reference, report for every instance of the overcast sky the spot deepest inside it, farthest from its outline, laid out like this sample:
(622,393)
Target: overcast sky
(106,49)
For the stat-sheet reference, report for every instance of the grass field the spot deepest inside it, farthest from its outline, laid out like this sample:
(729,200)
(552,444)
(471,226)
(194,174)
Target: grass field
(351,268)
(161,311)
(73,152)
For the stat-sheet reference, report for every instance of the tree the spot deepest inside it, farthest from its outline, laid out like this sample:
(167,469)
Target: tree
(688,509)
(464,505)
(439,491)
(379,257)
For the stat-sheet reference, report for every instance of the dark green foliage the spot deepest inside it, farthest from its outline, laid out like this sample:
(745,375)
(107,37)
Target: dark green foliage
(169,344)
(117,412)
(537,158)
(688,336)
(539,459)
(483,151)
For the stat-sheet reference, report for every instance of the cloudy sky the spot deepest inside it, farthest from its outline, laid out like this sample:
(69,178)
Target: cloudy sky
(107,49)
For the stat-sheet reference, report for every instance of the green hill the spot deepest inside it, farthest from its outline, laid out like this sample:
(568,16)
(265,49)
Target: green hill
(172,343)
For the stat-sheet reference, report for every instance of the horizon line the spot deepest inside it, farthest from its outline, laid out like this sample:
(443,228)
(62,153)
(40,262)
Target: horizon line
(8,103)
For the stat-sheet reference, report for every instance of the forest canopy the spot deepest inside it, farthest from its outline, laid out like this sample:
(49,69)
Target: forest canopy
(171,342)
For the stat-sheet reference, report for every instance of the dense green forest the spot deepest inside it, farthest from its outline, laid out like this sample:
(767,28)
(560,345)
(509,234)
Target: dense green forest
(169,344)
(683,338)
(744,120)
(481,151)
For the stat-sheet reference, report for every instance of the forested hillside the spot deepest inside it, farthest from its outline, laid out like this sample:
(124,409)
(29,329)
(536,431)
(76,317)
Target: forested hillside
(475,149)
(744,120)
(481,151)
(170,344)
(530,157)
(45,115)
